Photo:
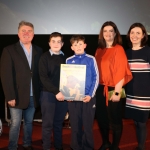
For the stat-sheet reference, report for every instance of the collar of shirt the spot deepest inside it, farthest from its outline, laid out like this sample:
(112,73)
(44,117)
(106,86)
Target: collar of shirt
(24,47)
(52,53)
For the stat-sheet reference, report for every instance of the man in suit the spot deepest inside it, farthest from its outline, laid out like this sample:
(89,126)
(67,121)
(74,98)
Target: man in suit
(21,83)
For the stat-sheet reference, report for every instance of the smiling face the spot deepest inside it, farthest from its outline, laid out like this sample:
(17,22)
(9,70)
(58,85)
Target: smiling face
(55,44)
(78,47)
(109,34)
(136,36)
(26,34)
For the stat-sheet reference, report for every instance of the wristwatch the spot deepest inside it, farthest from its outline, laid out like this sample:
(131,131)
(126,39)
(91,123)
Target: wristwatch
(116,93)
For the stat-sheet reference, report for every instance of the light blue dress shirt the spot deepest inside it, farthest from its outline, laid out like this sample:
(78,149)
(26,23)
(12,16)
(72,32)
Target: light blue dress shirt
(51,52)
(29,58)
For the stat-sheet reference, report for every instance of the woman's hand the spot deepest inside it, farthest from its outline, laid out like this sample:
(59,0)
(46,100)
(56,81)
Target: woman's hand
(115,98)
(118,87)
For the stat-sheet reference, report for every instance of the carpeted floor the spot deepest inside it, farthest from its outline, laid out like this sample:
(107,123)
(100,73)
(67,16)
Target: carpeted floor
(128,140)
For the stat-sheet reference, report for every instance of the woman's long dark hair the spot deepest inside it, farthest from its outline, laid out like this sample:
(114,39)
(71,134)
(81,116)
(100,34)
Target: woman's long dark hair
(117,39)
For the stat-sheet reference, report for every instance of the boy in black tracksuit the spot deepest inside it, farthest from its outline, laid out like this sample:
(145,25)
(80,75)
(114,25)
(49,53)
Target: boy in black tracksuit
(82,113)
(53,106)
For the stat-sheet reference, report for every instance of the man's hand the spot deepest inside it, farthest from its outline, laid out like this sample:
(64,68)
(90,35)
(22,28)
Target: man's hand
(12,103)
(60,97)
(86,99)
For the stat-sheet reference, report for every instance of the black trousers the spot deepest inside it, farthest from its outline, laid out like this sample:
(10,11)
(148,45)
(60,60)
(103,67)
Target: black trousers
(53,114)
(81,119)
(109,117)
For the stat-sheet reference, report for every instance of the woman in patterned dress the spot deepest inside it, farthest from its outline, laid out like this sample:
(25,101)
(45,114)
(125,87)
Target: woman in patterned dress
(138,89)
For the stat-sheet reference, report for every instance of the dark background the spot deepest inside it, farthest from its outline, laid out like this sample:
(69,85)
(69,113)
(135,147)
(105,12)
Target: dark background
(42,41)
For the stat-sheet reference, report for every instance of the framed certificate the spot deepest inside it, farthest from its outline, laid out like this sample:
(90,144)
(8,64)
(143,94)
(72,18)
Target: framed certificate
(72,81)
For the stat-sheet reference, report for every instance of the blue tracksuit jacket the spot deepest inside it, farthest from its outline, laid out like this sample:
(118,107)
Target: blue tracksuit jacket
(92,74)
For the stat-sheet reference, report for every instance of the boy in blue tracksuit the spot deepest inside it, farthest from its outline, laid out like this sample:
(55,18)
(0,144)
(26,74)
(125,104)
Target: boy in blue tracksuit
(82,112)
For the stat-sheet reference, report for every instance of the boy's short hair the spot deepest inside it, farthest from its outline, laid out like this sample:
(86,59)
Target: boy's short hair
(56,34)
(77,38)
(25,23)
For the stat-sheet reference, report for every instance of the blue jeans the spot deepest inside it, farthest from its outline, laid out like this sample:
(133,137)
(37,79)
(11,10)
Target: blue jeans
(16,118)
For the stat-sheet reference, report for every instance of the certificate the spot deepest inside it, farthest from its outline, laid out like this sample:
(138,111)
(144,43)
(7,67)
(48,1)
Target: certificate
(72,81)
